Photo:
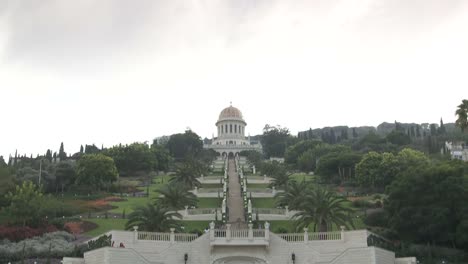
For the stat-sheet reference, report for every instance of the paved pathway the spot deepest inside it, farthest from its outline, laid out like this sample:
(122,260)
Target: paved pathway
(234,203)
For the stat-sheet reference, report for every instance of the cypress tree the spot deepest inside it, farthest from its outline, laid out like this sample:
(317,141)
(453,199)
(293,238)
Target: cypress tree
(62,155)
(81,149)
(355,135)
(442,127)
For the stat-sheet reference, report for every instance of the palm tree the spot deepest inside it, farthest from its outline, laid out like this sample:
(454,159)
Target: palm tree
(323,208)
(293,195)
(186,175)
(154,219)
(462,115)
(175,196)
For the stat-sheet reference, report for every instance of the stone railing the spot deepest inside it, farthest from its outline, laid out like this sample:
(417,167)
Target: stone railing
(248,236)
(169,237)
(315,236)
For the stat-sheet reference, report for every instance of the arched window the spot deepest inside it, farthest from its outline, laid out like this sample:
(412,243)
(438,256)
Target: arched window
(225,129)
(235,129)
(222,130)
(230,128)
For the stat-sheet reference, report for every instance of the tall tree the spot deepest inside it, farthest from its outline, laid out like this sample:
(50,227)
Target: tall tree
(187,173)
(175,197)
(62,154)
(442,130)
(275,140)
(154,219)
(433,197)
(25,203)
(96,171)
(293,195)
(132,158)
(81,149)
(322,209)
(462,115)
(64,174)
(182,145)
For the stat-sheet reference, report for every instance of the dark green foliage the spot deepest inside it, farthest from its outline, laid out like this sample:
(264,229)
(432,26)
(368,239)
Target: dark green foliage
(62,154)
(91,149)
(294,152)
(154,219)
(321,209)
(96,171)
(462,115)
(274,140)
(64,174)
(398,138)
(176,197)
(132,158)
(25,204)
(335,167)
(102,241)
(187,173)
(182,145)
(433,197)
(379,218)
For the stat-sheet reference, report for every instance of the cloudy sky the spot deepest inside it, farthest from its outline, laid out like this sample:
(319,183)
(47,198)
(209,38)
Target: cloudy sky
(106,72)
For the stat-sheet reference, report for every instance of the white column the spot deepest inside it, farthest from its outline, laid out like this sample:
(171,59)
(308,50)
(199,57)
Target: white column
(273,188)
(172,236)
(212,231)
(267,231)
(250,232)
(287,210)
(342,233)
(228,232)
(186,211)
(195,191)
(306,235)
(135,234)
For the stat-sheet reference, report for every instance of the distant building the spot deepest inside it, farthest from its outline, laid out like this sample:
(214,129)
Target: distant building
(231,137)
(458,150)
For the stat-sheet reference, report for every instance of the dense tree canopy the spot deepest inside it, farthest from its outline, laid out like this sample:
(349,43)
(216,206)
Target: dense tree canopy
(96,171)
(133,158)
(274,140)
(294,152)
(25,203)
(182,145)
(377,170)
(428,203)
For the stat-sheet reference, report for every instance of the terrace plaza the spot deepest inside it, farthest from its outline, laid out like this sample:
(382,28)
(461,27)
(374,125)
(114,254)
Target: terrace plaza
(235,241)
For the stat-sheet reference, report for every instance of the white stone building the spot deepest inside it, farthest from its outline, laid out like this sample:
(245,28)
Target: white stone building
(458,150)
(246,246)
(231,137)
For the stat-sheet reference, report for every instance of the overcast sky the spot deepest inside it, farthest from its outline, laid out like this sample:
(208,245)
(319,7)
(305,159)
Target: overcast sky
(109,72)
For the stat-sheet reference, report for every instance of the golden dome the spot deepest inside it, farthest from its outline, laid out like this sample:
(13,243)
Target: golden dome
(230,113)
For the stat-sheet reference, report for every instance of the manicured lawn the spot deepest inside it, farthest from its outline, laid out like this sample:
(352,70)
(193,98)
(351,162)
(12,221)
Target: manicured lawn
(133,202)
(130,204)
(209,202)
(212,185)
(195,225)
(263,203)
(105,225)
(258,186)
